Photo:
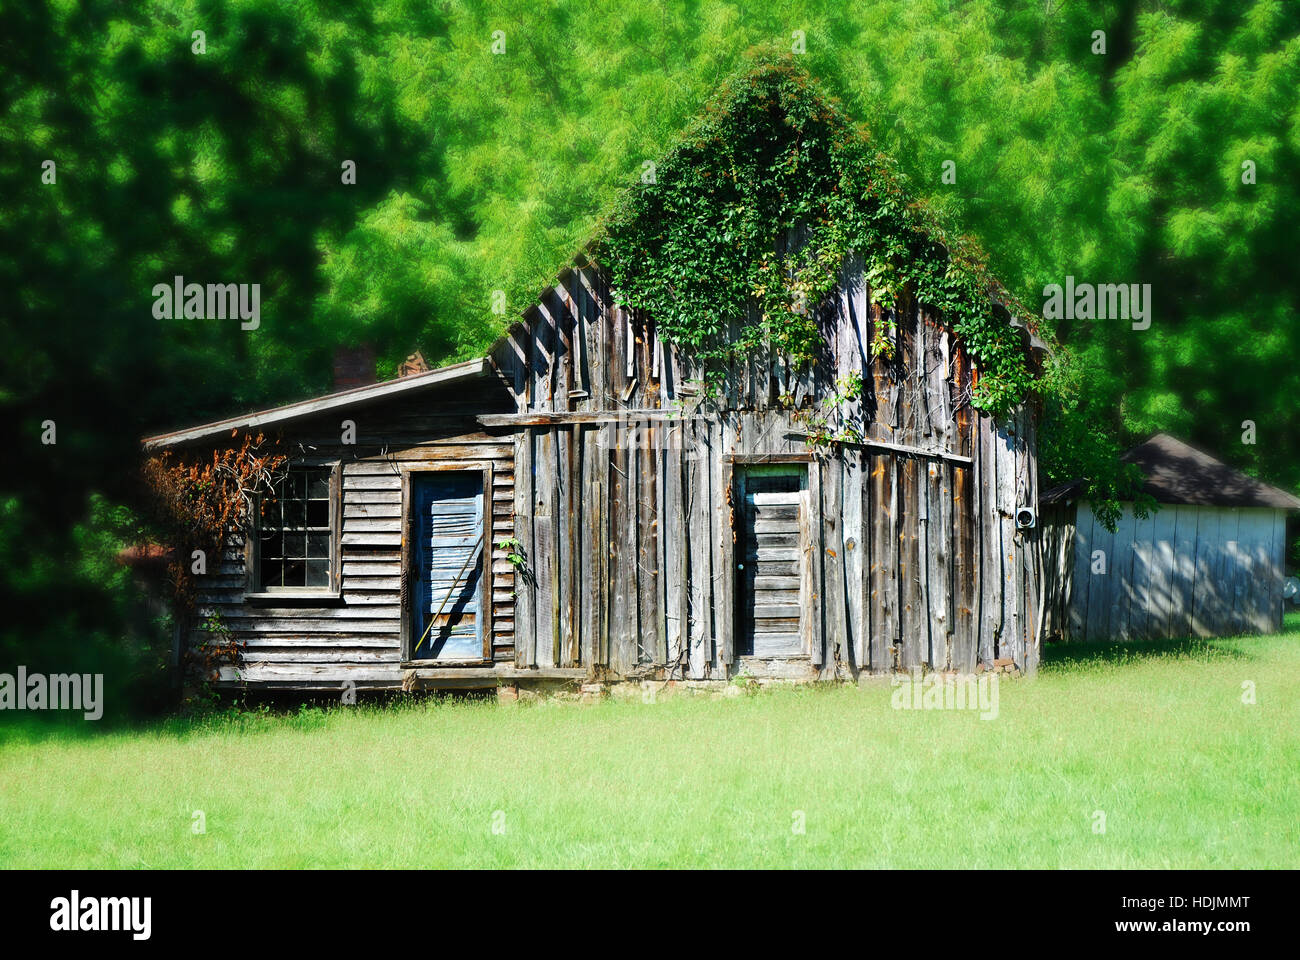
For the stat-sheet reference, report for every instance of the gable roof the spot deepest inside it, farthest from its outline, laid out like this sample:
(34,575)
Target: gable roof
(342,400)
(1177,473)
(920,218)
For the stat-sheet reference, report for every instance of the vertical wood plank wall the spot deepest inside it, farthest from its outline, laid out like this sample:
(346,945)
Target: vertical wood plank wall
(629,526)
(1181,571)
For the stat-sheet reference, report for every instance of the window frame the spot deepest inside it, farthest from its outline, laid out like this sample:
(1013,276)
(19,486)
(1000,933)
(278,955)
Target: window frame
(255,590)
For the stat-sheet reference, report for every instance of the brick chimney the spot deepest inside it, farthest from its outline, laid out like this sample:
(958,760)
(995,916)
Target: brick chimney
(413,364)
(353,367)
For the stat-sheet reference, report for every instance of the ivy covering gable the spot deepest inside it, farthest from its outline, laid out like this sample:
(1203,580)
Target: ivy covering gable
(700,244)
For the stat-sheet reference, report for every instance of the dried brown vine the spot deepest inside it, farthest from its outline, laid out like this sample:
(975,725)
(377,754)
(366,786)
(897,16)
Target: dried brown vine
(200,501)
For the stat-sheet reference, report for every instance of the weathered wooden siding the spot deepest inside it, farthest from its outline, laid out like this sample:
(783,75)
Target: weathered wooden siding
(357,637)
(625,501)
(1181,571)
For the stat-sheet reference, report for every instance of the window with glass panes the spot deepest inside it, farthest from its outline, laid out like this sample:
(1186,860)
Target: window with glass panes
(295,541)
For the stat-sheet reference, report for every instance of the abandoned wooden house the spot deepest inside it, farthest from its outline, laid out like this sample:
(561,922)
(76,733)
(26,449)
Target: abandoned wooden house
(1209,561)
(575,506)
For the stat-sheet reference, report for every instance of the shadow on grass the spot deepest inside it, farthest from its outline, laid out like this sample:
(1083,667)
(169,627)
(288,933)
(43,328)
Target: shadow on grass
(232,713)
(251,711)
(1181,648)
(1202,649)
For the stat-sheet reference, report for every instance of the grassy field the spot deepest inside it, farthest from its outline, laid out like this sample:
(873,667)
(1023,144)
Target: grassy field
(1155,737)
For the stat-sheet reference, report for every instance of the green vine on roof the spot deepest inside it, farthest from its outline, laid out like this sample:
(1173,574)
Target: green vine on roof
(704,248)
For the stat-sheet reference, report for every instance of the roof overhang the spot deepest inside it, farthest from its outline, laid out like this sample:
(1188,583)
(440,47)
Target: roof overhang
(357,396)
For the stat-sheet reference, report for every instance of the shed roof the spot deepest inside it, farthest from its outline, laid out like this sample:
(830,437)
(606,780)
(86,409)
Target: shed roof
(334,401)
(1176,472)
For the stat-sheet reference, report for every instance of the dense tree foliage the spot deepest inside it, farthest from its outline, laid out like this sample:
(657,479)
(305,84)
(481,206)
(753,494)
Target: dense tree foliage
(488,138)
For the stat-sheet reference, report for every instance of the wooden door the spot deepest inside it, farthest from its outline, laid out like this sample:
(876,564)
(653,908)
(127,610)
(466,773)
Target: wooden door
(770,560)
(447,566)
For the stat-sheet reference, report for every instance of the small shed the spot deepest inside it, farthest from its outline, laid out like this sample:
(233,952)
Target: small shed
(1208,561)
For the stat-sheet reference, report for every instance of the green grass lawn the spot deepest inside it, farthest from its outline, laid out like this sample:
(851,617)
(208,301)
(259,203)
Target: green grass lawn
(1156,737)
